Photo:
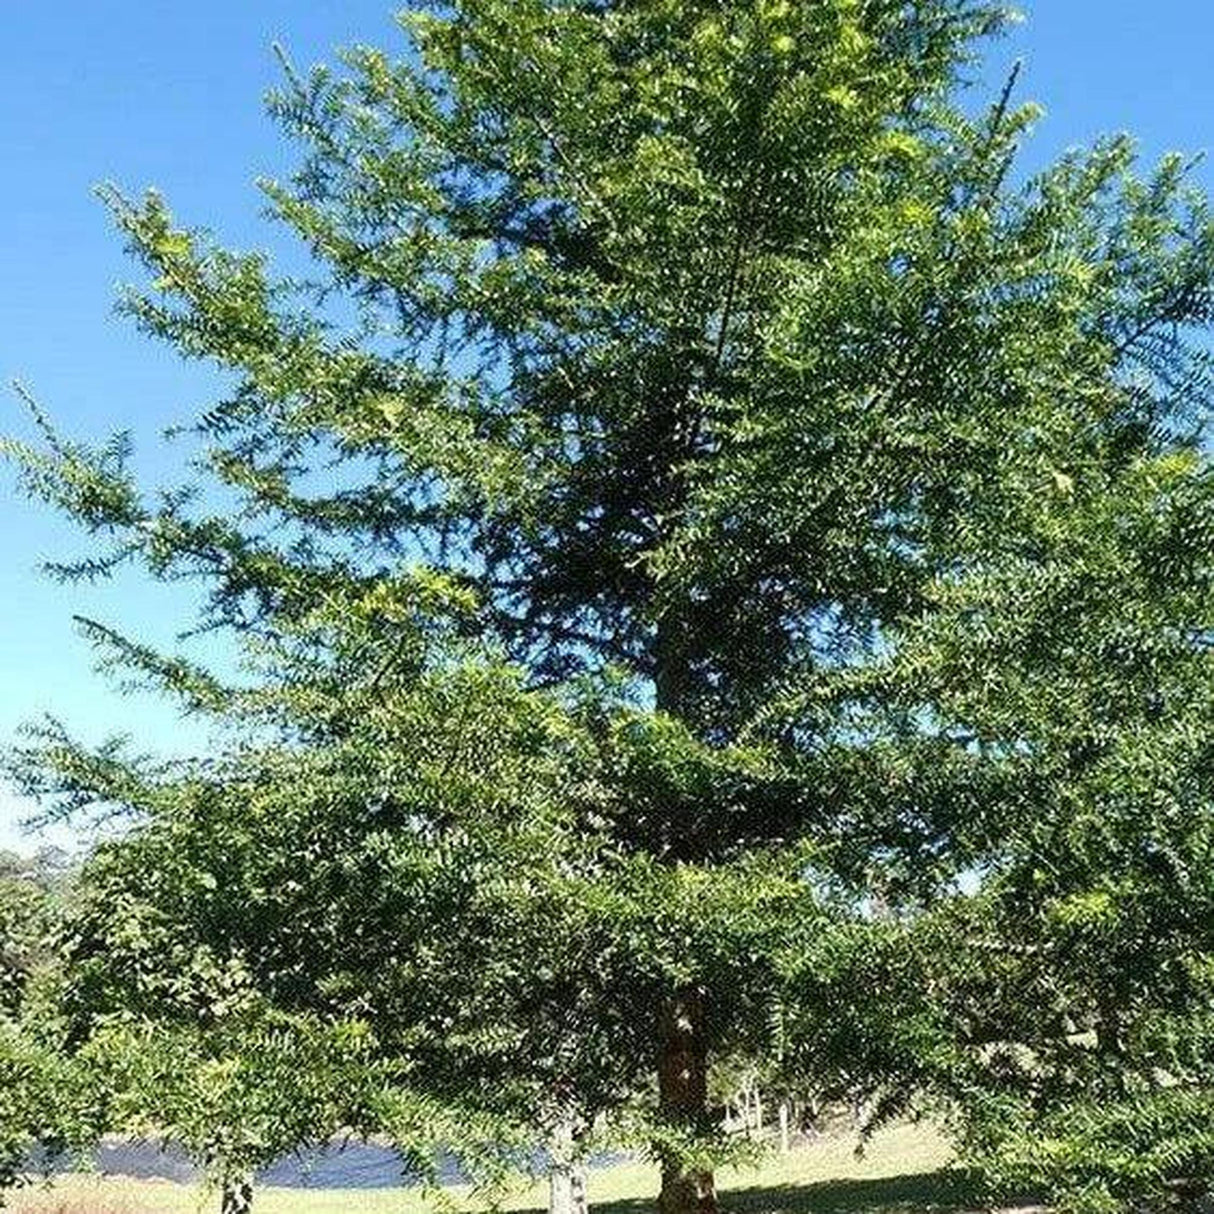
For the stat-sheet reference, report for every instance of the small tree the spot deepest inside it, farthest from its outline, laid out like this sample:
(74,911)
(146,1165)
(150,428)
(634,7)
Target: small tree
(436,797)
(235,1095)
(162,1027)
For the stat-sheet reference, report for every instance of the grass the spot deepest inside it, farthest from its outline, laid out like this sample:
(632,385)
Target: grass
(905,1168)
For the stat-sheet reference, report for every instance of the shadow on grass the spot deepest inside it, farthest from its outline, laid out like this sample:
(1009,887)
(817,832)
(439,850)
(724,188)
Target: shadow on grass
(945,1191)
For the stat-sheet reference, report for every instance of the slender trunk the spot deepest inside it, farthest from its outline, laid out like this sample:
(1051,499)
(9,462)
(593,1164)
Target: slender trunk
(577,1187)
(783,1127)
(567,1189)
(237,1195)
(566,1174)
(682,1040)
(683,1095)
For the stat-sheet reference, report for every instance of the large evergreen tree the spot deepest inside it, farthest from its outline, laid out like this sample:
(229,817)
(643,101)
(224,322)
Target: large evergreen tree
(698,360)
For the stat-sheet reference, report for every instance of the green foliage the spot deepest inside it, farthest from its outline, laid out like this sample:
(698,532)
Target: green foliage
(41,1106)
(23,927)
(237,1093)
(1067,1040)
(1155,1149)
(327,881)
(743,518)
(44,1105)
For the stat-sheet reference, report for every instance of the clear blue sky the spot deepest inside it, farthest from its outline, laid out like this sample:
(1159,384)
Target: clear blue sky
(157,92)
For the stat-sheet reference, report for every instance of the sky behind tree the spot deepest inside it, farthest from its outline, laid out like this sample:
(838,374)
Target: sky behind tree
(157,93)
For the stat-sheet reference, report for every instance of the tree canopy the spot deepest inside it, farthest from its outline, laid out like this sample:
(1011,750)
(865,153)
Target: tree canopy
(699,518)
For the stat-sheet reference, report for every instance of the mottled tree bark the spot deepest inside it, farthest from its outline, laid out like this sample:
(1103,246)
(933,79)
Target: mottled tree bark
(566,1174)
(237,1196)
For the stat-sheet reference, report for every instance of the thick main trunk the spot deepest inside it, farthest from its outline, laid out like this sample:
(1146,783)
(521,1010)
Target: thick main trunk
(237,1196)
(683,1095)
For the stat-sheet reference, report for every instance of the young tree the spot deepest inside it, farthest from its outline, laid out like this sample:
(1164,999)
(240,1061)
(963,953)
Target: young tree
(699,354)
(165,1030)
(236,1093)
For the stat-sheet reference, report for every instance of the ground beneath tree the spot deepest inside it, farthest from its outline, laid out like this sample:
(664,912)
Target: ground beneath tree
(903,1169)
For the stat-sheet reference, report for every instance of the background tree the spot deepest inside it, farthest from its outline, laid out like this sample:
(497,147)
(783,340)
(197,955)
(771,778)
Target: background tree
(44,1104)
(235,1094)
(698,354)
(25,926)
(166,1032)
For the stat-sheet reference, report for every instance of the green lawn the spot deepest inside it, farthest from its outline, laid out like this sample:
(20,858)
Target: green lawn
(903,1169)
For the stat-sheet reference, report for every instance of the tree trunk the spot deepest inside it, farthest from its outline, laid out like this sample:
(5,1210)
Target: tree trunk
(683,1096)
(237,1196)
(682,1043)
(577,1187)
(567,1189)
(566,1174)
(784,1127)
